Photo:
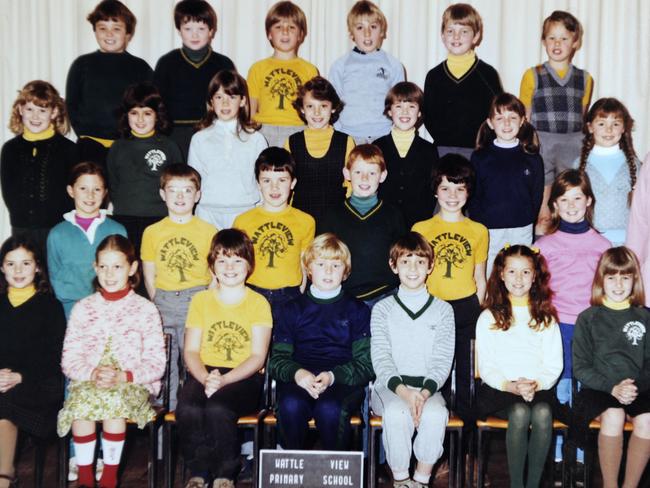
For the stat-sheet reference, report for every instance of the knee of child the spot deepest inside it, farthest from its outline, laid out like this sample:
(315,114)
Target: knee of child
(541,415)
(642,425)
(396,412)
(327,407)
(291,405)
(612,421)
(216,409)
(519,415)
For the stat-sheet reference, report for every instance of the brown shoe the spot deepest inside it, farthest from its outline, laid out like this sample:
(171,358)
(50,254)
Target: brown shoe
(195,482)
(223,483)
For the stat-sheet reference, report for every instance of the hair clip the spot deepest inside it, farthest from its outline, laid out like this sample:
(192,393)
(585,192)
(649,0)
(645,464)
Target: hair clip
(534,249)
(506,246)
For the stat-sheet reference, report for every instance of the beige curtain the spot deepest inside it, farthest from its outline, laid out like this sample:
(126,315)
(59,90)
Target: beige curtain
(40,38)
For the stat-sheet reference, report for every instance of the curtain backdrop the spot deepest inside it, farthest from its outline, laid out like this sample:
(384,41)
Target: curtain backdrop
(41,38)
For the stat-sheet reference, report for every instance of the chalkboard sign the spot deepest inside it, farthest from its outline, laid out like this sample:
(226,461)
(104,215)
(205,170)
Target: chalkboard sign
(310,469)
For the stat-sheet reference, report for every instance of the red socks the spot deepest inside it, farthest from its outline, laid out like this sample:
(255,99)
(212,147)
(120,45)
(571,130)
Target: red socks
(84,447)
(112,445)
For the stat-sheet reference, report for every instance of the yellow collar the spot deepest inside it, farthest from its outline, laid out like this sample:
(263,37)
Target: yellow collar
(459,65)
(625,304)
(30,136)
(519,301)
(18,296)
(143,136)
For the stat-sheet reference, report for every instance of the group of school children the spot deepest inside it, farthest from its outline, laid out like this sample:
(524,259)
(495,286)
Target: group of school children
(299,258)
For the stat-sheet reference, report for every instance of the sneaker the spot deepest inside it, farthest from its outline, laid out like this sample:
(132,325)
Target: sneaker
(99,469)
(73,470)
(223,483)
(195,482)
(402,484)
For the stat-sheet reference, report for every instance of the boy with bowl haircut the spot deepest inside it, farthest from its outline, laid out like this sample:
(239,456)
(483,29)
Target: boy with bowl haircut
(280,233)
(364,75)
(367,225)
(182,75)
(412,349)
(410,159)
(96,81)
(174,257)
(274,82)
(458,92)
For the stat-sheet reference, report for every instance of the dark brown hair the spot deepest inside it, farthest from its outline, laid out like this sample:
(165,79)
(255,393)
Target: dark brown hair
(87,168)
(456,169)
(113,10)
(195,11)
(602,108)
(41,282)
(618,260)
(118,243)
(412,243)
(144,94)
(322,90)
(497,301)
(527,134)
(233,84)
(405,91)
(275,159)
(232,242)
(567,179)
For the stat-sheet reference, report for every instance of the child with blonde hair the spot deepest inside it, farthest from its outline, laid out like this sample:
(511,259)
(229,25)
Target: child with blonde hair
(34,165)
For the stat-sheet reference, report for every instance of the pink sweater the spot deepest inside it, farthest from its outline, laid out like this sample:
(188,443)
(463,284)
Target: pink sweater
(137,344)
(638,225)
(572,261)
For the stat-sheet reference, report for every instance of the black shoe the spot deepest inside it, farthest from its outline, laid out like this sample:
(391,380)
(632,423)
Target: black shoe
(246,473)
(579,475)
(557,473)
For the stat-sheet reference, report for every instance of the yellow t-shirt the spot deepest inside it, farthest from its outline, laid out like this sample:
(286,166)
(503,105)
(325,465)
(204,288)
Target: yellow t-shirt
(179,251)
(275,83)
(458,247)
(227,329)
(527,87)
(279,238)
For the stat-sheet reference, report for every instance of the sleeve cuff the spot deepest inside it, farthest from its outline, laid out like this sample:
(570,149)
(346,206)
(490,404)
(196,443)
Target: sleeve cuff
(430,385)
(129,376)
(331,377)
(504,385)
(394,382)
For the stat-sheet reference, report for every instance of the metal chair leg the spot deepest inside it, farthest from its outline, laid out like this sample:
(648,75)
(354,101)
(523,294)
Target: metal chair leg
(64,455)
(168,455)
(481,458)
(372,457)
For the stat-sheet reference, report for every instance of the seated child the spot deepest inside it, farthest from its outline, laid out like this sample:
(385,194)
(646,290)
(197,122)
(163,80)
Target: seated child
(410,160)
(319,151)
(182,75)
(227,341)
(412,349)
(611,359)
(458,92)
(224,151)
(363,76)
(96,81)
(32,325)
(321,352)
(274,82)
(279,232)
(34,165)
(114,355)
(367,225)
(174,253)
(135,161)
(72,244)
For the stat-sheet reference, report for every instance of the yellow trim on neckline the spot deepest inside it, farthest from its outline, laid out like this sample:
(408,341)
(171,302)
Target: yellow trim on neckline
(143,136)
(624,305)
(30,136)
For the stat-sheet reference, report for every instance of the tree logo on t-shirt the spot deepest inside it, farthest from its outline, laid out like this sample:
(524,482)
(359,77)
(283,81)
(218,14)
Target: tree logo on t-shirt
(634,331)
(283,84)
(227,337)
(451,250)
(272,240)
(179,255)
(155,158)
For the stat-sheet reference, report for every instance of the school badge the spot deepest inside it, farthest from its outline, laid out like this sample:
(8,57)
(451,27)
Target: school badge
(155,158)
(634,331)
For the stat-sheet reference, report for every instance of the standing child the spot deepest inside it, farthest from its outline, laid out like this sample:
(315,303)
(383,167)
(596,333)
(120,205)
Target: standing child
(279,232)
(509,175)
(609,159)
(572,249)
(367,225)
(556,95)
(32,325)
(71,244)
(224,152)
(519,351)
(34,165)
(638,227)
(412,349)
(274,82)
(227,342)
(96,81)
(174,252)
(460,248)
(363,76)
(410,160)
(136,160)
(611,358)
(114,355)
(320,151)
(183,75)
(458,92)
(321,352)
